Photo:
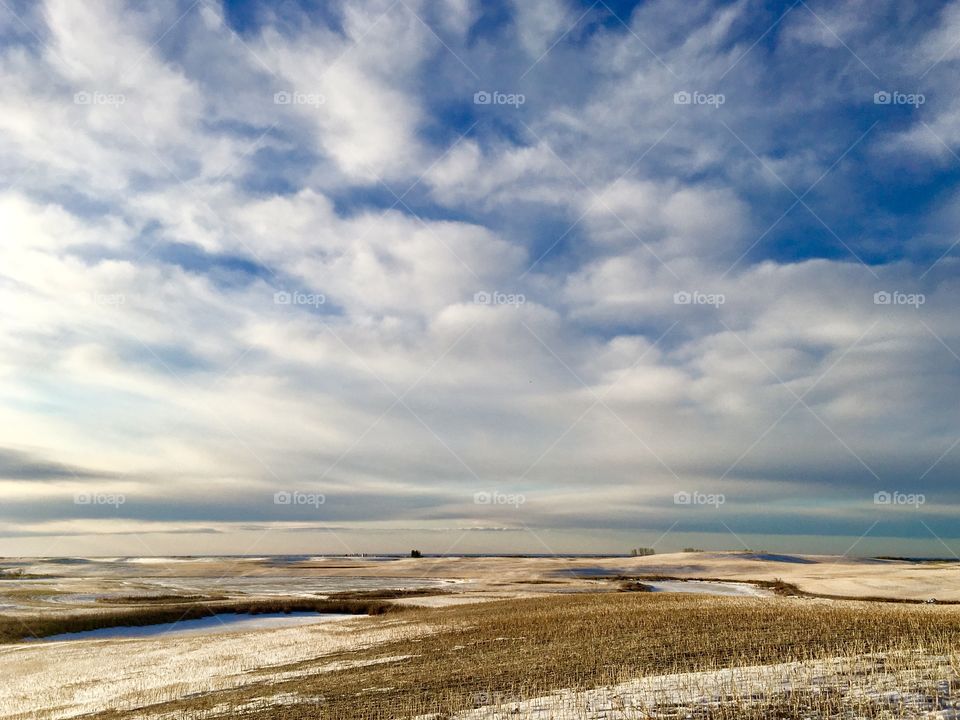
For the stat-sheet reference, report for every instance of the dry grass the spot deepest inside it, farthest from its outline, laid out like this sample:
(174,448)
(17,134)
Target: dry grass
(19,574)
(168,599)
(785,589)
(18,627)
(529,648)
(389,594)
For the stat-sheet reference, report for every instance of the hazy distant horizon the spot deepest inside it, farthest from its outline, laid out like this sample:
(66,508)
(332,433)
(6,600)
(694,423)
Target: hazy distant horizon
(429,555)
(511,543)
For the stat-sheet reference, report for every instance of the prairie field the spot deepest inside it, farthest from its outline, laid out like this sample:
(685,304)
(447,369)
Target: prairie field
(504,653)
(691,635)
(582,655)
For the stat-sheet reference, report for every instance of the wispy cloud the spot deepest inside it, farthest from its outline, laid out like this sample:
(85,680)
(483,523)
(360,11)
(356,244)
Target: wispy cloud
(394,253)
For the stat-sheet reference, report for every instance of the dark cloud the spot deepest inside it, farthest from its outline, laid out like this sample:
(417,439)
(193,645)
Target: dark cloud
(20,465)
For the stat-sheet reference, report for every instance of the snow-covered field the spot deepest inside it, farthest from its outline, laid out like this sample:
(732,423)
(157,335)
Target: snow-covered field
(928,689)
(43,681)
(65,679)
(72,579)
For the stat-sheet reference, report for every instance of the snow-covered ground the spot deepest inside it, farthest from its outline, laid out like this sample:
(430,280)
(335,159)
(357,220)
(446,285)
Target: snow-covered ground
(47,681)
(835,575)
(924,687)
(50,594)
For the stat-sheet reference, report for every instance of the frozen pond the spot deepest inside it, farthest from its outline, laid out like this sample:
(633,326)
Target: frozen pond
(707,587)
(216,624)
(703,587)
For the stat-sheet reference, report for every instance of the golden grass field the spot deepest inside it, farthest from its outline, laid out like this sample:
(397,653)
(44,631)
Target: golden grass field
(554,649)
(444,661)
(439,662)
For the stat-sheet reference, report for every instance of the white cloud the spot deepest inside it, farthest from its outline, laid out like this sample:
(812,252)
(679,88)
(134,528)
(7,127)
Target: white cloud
(540,23)
(143,244)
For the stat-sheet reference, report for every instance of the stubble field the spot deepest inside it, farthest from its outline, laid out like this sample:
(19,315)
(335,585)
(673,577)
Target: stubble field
(586,655)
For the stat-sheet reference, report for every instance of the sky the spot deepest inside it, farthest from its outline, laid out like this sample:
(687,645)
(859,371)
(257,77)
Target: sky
(539,276)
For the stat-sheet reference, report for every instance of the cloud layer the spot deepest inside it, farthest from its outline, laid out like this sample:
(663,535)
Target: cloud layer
(456,266)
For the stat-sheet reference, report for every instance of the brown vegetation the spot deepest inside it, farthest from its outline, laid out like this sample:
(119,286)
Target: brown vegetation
(14,628)
(528,648)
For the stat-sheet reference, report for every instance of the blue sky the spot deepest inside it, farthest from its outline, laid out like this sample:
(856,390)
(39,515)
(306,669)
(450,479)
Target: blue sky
(501,276)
